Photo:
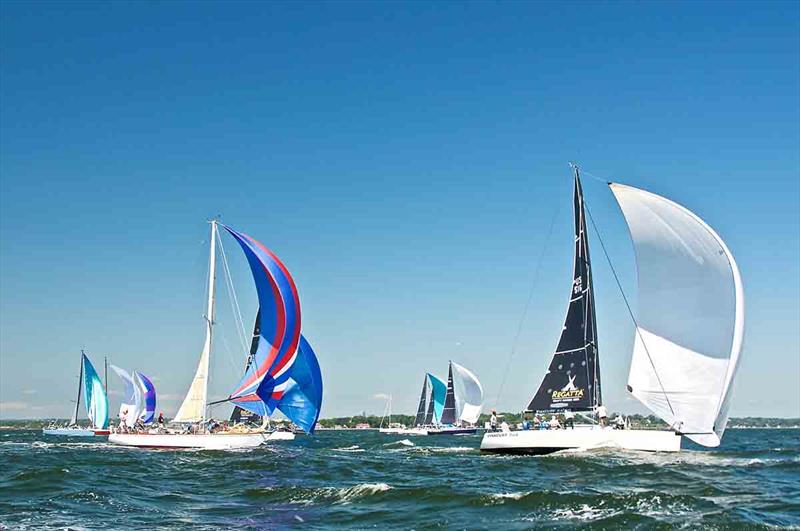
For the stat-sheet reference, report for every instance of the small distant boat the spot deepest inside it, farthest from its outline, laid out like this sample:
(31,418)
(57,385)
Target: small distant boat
(463,402)
(450,408)
(282,371)
(391,427)
(689,331)
(96,401)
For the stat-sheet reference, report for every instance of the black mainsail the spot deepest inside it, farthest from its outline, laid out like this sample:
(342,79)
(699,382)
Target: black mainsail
(449,411)
(573,378)
(242,415)
(420,418)
(429,413)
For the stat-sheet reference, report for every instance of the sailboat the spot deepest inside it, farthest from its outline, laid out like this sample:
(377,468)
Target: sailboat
(96,401)
(688,335)
(393,428)
(283,374)
(463,401)
(450,408)
(139,400)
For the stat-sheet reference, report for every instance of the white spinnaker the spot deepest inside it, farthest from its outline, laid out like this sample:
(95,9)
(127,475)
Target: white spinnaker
(690,316)
(132,402)
(468,393)
(193,407)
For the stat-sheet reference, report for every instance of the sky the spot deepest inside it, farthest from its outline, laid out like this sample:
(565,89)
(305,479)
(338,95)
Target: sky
(406,161)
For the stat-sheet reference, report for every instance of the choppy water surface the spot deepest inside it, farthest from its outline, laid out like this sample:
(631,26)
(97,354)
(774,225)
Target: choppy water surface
(362,479)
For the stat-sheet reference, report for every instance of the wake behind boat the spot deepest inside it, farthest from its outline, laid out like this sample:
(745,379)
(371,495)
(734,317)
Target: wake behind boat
(96,401)
(282,372)
(689,334)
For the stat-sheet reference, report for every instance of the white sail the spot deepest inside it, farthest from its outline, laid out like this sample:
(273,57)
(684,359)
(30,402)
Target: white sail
(469,394)
(690,318)
(132,403)
(193,407)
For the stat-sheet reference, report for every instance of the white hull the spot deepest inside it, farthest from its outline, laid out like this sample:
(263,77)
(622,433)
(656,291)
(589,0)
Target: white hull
(213,441)
(75,432)
(404,431)
(549,441)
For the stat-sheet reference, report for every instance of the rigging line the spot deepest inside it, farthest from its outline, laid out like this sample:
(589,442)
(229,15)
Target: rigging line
(528,302)
(231,361)
(595,177)
(237,313)
(627,305)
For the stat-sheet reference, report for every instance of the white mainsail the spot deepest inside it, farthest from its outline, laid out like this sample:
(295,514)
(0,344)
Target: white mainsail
(690,319)
(468,393)
(193,408)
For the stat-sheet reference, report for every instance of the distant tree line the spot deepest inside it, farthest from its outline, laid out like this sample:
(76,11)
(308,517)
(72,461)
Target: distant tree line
(374,421)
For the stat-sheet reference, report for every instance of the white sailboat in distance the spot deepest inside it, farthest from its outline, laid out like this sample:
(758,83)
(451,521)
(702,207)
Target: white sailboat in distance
(689,333)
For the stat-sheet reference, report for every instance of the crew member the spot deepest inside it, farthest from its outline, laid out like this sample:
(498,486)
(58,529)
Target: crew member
(569,419)
(602,414)
(493,420)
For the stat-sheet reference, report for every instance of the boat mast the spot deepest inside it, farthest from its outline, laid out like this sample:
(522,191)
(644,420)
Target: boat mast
(193,407)
(212,266)
(74,419)
(105,373)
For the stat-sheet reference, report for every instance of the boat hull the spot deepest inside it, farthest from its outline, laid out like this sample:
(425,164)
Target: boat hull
(213,441)
(539,442)
(75,432)
(404,431)
(452,431)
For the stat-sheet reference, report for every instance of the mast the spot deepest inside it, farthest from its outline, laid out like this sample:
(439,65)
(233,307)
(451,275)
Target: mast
(105,374)
(193,408)
(74,419)
(420,418)
(573,378)
(449,411)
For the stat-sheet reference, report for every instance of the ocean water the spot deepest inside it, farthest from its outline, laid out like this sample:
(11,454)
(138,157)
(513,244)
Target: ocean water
(362,480)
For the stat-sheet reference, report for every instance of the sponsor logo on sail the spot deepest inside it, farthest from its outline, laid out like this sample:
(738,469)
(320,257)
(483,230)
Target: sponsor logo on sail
(569,392)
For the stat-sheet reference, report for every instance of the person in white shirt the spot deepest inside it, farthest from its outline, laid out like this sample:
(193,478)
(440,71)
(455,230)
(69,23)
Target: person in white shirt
(569,419)
(602,414)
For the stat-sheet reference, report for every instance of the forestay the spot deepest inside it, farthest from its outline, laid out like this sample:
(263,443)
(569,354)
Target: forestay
(690,319)
(468,393)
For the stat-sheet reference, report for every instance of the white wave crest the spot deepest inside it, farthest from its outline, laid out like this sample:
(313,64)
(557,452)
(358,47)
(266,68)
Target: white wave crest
(353,448)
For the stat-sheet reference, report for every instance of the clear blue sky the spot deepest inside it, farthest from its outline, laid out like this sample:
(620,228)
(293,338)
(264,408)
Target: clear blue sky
(405,162)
